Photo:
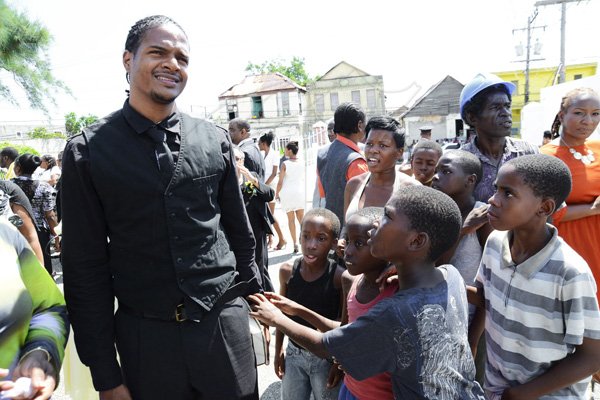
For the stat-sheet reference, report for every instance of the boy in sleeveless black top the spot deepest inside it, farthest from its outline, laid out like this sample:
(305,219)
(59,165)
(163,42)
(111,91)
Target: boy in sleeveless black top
(314,281)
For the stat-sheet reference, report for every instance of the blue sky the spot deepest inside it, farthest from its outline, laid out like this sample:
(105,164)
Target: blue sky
(421,41)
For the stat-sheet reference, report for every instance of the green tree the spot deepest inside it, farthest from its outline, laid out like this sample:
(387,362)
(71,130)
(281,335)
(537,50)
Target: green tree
(74,125)
(23,53)
(294,70)
(20,148)
(42,133)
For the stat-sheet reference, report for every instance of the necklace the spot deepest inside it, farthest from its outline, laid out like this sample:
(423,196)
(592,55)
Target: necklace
(587,159)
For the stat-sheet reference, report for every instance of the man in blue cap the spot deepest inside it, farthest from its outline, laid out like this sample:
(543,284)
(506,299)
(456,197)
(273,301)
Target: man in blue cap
(485,105)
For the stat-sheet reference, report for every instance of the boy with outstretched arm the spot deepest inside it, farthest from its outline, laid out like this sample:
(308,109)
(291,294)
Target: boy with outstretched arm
(419,335)
(542,324)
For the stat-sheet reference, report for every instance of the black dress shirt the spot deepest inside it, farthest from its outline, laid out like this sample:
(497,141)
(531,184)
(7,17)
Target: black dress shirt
(150,243)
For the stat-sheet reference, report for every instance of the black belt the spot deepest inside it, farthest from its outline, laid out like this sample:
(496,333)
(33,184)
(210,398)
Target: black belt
(179,314)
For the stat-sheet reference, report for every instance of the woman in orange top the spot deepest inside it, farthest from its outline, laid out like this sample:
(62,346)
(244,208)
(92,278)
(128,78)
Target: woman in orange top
(579,226)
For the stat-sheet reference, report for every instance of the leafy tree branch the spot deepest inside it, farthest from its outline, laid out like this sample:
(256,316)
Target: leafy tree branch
(24,54)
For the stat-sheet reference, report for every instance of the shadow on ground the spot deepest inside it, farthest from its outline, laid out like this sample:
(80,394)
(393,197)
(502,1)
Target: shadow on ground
(273,260)
(272,392)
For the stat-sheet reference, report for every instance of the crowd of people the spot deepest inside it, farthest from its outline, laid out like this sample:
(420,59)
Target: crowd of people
(462,274)
(509,197)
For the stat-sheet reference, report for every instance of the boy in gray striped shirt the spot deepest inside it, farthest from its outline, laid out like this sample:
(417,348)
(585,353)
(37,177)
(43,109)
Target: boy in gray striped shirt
(542,324)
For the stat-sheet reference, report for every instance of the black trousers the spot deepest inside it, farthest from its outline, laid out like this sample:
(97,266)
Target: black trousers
(207,360)
(44,238)
(261,256)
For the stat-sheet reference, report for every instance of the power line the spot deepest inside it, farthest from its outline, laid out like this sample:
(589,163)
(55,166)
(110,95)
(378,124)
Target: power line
(563,23)
(528,50)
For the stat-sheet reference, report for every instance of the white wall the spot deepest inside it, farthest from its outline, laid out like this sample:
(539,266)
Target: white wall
(44,146)
(534,122)
(245,107)
(295,99)
(443,127)
(269,104)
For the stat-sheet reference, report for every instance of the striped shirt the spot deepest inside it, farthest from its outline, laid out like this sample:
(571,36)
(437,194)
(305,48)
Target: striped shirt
(536,312)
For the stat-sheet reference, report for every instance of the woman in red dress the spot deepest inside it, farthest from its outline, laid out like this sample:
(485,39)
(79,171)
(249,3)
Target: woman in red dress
(579,226)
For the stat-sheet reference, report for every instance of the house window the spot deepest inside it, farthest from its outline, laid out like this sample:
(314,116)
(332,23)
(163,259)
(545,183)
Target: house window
(232,109)
(371,102)
(577,76)
(319,103)
(356,96)
(257,107)
(285,103)
(335,101)
(516,83)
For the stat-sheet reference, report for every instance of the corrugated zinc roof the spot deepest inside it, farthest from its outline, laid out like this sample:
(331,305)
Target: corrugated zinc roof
(259,84)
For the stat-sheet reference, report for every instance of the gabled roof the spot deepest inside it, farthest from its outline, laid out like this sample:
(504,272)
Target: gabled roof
(261,84)
(399,112)
(343,70)
(400,98)
(448,80)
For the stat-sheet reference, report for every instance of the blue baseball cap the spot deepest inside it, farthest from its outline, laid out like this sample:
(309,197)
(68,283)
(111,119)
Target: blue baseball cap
(479,83)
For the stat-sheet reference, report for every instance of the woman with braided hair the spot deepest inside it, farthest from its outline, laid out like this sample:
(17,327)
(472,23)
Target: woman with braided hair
(579,224)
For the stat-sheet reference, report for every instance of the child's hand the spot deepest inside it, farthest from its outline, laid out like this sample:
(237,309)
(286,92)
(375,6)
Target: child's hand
(335,376)
(286,305)
(43,377)
(475,296)
(248,175)
(475,220)
(279,364)
(387,277)
(5,385)
(22,389)
(263,310)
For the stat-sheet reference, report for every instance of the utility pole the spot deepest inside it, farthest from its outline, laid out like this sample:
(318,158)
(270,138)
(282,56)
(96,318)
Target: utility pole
(529,22)
(563,24)
(528,51)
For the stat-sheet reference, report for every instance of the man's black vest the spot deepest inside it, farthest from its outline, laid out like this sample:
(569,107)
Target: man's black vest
(183,247)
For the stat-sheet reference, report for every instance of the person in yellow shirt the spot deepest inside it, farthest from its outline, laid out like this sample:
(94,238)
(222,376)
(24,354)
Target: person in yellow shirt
(8,155)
